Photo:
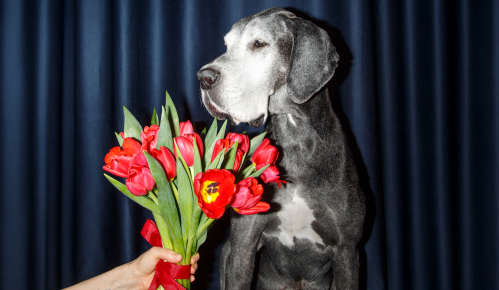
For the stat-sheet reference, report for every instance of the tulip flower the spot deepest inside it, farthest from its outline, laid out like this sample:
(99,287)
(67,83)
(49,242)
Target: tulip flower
(271,174)
(140,179)
(225,144)
(265,154)
(221,144)
(186,128)
(247,197)
(185,144)
(186,147)
(167,161)
(118,160)
(243,141)
(239,158)
(149,137)
(214,189)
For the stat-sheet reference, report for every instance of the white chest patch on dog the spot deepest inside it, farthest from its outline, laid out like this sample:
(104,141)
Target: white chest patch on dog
(296,222)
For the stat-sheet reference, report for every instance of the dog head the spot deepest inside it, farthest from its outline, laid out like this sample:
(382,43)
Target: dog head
(266,52)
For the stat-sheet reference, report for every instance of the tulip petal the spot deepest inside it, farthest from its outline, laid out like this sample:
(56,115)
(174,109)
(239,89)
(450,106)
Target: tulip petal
(260,207)
(241,197)
(136,188)
(186,128)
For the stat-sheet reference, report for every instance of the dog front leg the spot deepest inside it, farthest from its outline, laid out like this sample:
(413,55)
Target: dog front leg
(224,257)
(345,268)
(238,254)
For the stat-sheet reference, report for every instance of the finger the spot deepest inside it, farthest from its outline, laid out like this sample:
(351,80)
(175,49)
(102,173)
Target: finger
(194,268)
(195,259)
(192,278)
(166,254)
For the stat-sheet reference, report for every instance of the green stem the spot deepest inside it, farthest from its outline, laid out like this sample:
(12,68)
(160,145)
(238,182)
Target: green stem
(202,228)
(163,231)
(152,195)
(192,234)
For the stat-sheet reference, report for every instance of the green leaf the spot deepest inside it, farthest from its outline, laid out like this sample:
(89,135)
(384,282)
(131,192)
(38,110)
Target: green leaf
(203,134)
(164,134)
(184,199)
(209,152)
(220,161)
(163,230)
(193,226)
(167,203)
(254,143)
(120,139)
(259,172)
(203,236)
(172,112)
(212,133)
(208,142)
(232,152)
(142,200)
(154,119)
(245,173)
(203,220)
(216,161)
(221,133)
(185,190)
(201,240)
(132,126)
(242,163)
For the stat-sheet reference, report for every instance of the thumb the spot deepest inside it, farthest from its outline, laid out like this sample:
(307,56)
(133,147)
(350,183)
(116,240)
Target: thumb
(166,254)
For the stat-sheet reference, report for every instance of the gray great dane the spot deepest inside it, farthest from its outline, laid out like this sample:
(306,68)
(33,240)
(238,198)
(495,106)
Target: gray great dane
(274,71)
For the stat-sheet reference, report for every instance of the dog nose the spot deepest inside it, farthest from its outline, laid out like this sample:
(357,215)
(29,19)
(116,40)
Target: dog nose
(208,78)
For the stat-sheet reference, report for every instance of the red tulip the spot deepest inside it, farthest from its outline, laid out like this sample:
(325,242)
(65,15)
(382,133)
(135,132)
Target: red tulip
(186,147)
(221,144)
(271,174)
(140,179)
(265,154)
(149,137)
(186,128)
(214,189)
(237,162)
(118,160)
(247,197)
(259,207)
(225,144)
(243,141)
(167,161)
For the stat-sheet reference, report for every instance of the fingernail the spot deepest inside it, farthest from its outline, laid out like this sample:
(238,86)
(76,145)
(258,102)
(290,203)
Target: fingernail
(177,257)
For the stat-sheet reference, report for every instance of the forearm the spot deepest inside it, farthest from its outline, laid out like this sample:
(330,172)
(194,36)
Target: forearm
(119,278)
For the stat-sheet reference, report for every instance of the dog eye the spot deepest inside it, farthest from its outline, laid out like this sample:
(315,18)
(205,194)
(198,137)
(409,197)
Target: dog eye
(259,43)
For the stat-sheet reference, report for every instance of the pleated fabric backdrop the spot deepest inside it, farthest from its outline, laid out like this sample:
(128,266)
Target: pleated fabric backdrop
(417,89)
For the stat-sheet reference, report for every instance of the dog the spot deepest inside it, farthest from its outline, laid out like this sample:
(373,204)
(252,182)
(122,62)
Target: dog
(274,72)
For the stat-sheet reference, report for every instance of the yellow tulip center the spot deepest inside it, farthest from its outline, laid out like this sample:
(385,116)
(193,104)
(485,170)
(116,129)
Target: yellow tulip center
(209,191)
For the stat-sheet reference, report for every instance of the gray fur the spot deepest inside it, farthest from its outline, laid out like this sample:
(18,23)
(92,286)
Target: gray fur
(308,240)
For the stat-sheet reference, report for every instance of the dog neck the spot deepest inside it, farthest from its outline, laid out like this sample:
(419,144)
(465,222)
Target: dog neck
(316,113)
(303,130)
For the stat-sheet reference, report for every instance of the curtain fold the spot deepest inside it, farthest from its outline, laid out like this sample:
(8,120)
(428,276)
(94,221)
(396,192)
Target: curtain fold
(437,109)
(417,90)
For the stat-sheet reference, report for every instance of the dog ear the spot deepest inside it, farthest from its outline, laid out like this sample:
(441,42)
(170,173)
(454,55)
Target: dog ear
(313,60)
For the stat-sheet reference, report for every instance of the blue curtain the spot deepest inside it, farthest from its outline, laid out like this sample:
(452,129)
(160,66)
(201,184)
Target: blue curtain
(417,90)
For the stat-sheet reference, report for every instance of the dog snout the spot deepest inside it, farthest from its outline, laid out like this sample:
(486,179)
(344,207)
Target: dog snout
(208,78)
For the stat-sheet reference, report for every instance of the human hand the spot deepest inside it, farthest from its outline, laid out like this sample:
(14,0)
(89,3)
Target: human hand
(143,267)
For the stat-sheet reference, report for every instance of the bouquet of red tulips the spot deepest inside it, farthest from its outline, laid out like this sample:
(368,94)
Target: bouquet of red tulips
(188,180)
